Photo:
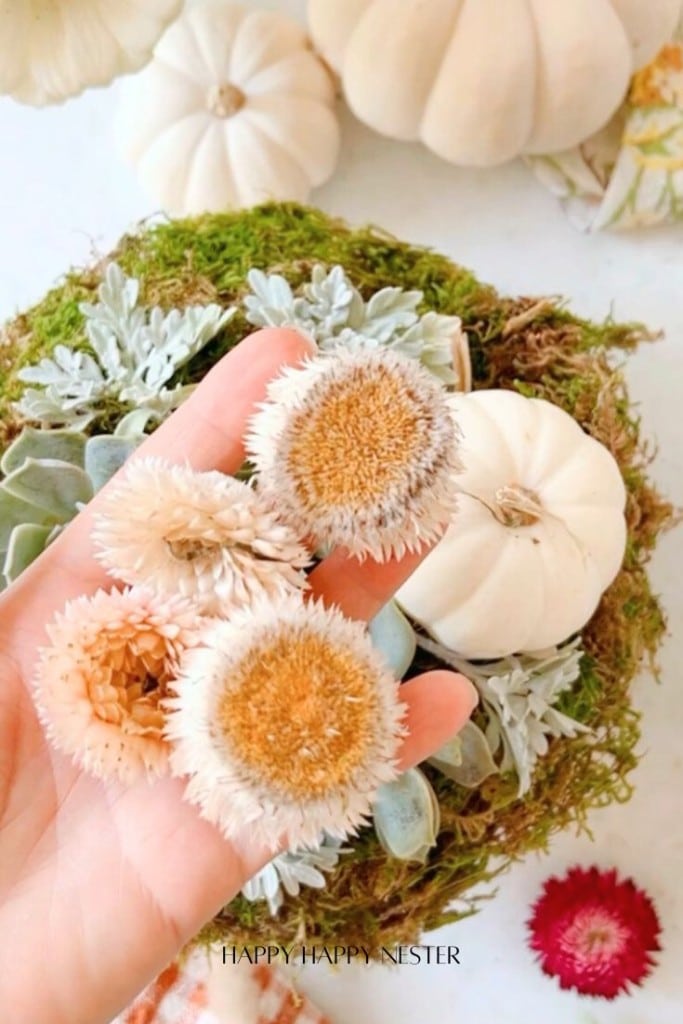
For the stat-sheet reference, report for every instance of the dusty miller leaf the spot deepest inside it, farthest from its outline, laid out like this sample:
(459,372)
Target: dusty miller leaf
(519,694)
(332,312)
(135,353)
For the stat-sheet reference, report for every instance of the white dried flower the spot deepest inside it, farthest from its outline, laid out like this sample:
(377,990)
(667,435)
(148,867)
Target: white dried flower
(289,871)
(358,450)
(332,312)
(135,353)
(206,536)
(287,722)
(519,693)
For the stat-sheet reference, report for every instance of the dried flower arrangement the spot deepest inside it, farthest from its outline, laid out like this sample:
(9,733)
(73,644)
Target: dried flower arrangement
(555,732)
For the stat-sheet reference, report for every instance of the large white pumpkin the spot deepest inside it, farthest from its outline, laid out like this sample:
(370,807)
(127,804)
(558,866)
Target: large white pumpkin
(482,81)
(538,535)
(234,110)
(51,49)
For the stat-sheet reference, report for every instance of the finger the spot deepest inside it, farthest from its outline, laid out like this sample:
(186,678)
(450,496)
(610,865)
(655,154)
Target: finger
(361,589)
(439,703)
(206,431)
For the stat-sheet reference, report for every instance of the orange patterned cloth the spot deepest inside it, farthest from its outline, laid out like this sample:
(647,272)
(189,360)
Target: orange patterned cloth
(180,997)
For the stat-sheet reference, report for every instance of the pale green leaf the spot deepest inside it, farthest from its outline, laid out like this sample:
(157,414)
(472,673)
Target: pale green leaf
(55,488)
(467,759)
(27,541)
(104,456)
(392,634)
(406,816)
(60,445)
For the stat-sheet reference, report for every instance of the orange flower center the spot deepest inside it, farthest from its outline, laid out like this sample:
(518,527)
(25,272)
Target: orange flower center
(130,682)
(299,713)
(357,440)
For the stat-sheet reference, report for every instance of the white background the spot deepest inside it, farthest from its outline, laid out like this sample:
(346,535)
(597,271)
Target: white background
(64,196)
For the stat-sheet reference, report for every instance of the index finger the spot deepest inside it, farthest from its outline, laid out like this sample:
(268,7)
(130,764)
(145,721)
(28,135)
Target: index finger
(206,432)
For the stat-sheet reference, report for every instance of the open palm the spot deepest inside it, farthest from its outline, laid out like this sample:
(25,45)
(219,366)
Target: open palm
(101,885)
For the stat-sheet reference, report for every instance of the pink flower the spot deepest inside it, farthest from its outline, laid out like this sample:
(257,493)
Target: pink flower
(99,687)
(593,932)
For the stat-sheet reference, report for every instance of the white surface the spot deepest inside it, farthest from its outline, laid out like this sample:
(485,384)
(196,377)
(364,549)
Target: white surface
(65,196)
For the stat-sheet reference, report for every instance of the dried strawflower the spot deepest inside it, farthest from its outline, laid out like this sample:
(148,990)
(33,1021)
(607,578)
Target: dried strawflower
(205,535)
(360,450)
(594,932)
(100,685)
(287,722)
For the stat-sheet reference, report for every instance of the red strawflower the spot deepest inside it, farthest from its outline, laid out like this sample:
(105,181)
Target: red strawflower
(594,932)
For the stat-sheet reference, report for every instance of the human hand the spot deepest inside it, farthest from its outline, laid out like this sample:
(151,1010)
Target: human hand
(101,885)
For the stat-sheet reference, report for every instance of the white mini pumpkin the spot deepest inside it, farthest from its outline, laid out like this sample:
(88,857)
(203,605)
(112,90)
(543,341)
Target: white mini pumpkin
(538,535)
(52,49)
(234,109)
(482,81)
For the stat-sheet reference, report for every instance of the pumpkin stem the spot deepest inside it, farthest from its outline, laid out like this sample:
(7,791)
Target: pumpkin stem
(517,506)
(225,100)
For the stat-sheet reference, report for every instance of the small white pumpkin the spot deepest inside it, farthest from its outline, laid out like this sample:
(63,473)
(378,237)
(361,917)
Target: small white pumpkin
(482,81)
(234,110)
(538,535)
(52,49)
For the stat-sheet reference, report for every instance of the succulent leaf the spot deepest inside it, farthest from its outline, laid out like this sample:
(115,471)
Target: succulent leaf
(27,541)
(13,512)
(467,758)
(104,456)
(392,634)
(60,445)
(406,815)
(43,491)
(55,487)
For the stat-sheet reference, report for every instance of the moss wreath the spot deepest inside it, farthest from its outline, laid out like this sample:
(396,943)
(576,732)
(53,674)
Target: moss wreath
(535,347)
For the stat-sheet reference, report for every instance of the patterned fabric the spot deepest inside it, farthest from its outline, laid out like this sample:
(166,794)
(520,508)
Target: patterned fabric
(179,996)
(280,1003)
(631,173)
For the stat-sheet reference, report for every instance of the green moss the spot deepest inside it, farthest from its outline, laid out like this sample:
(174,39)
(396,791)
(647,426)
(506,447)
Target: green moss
(538,348)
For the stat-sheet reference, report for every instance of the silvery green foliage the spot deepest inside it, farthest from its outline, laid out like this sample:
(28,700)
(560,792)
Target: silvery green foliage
(332,312)
(519,694)
(48,476)
(287,872)
(135,353)
(406,816)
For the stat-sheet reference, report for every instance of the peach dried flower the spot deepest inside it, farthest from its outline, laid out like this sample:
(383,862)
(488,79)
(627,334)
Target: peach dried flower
(101,683)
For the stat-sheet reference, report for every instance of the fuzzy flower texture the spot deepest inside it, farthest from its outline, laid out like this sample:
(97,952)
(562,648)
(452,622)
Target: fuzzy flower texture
(100,685)
(359,451)
(287,721)
(205,535)
(594,932)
